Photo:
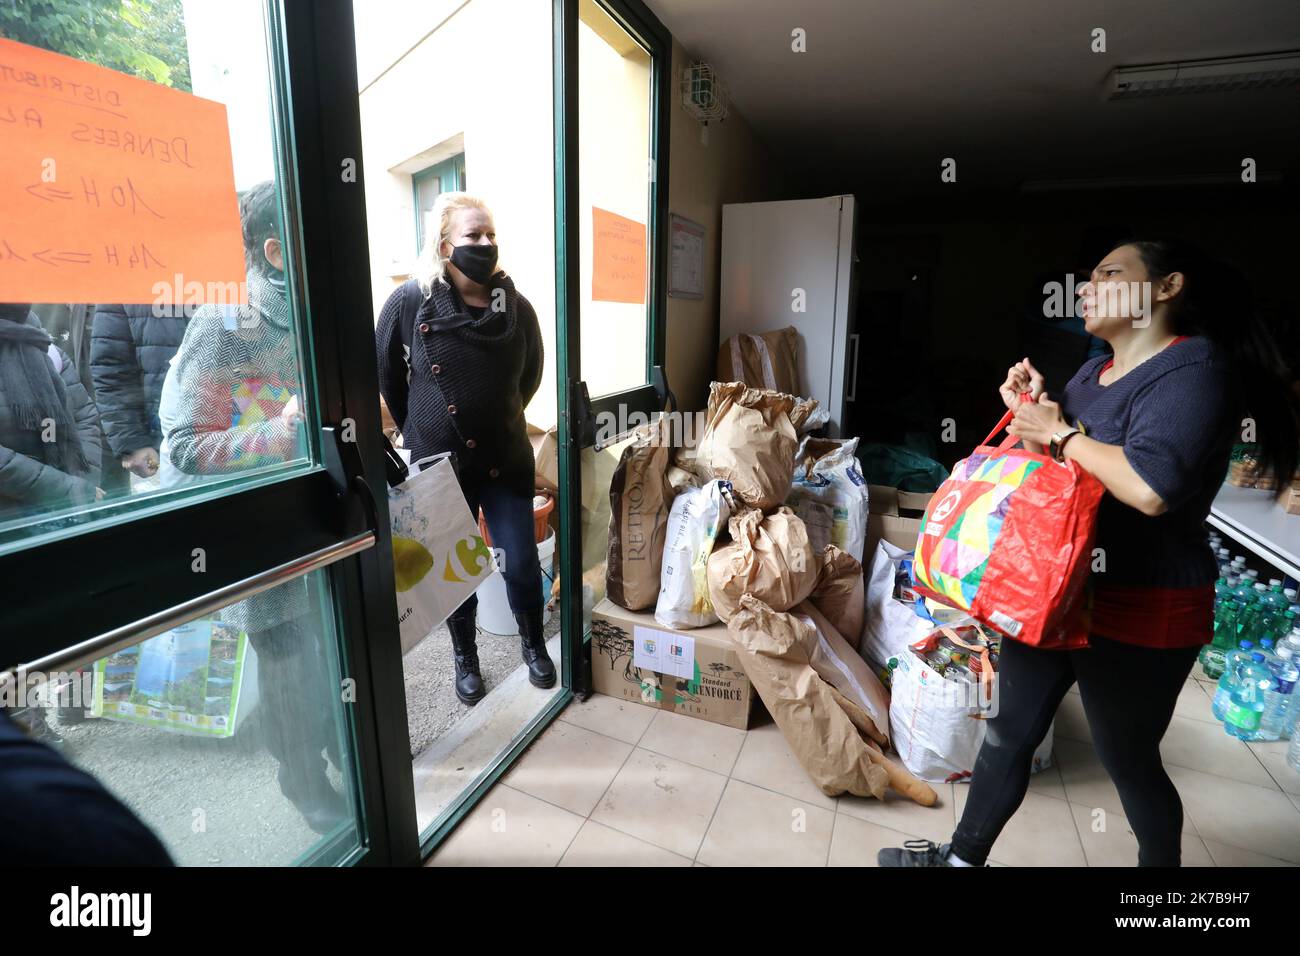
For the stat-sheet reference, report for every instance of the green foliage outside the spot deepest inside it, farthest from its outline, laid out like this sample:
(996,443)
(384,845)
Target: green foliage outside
(145,38)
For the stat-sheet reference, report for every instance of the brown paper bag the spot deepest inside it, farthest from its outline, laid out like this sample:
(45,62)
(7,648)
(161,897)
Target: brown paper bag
(840,593)
(767,360)
(840,666)
(749,441)
(774,650)
(640,497)
(769,557)
(546,461)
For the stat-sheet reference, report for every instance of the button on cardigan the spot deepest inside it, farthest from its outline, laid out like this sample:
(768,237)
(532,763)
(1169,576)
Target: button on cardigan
(456,383)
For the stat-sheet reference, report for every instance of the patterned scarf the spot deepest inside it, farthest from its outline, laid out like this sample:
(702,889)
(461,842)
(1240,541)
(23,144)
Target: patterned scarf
(266,294)
(447,311)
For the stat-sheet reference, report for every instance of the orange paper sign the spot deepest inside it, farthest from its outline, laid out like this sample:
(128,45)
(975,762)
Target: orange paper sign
(114,189)
(618,260)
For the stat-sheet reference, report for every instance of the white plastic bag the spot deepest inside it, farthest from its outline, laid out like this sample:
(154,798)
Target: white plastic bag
(938,726)
(888,625)
(831,496)
(439,558)
(693,523)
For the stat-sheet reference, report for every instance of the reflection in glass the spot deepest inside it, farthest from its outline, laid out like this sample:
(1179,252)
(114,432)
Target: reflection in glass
(226,735)
(108,406)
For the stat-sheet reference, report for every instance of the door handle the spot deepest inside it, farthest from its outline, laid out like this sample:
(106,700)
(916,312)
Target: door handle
(342,461)
(853,391)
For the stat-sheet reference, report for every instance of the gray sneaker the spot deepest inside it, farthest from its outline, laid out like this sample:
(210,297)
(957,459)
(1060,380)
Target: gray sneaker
(914,853)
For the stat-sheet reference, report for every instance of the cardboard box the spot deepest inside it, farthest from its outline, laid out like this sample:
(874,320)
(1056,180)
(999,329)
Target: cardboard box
(716,689)
(895,516)
(1291,500)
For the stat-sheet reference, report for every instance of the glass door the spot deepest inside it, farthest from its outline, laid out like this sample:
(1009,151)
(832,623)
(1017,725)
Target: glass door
(193,535)
(615,124)
(469,104)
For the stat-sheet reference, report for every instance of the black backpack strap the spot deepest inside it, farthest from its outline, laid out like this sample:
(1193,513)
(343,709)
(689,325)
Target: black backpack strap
(411,301)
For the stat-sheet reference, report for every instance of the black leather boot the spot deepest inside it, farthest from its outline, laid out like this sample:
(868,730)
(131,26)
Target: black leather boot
(532,647)
(469,682)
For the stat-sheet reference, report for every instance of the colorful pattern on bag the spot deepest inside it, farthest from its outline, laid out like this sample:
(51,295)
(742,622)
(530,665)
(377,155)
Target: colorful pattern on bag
(961,528)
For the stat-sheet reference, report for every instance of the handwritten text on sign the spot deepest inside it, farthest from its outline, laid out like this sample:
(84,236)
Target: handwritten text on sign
(618,265)
(113,188)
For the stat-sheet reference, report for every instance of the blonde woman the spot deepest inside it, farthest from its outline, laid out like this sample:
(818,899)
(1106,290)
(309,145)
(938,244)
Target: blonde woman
(460,356)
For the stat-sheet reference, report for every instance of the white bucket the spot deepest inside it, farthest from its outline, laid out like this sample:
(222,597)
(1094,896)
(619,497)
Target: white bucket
(494,614)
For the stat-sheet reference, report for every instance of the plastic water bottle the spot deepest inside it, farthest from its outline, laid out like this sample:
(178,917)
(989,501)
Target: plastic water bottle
(1273,723)
(1222,587)
(1242,716)
(1276,602)
(1226,615)
(1248,625)
(1213,655)
(1228,682)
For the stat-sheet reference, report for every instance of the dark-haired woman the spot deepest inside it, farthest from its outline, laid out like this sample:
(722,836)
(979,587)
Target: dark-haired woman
(1154,424)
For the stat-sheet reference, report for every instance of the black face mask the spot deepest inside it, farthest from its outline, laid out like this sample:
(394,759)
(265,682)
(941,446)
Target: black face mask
(477,262)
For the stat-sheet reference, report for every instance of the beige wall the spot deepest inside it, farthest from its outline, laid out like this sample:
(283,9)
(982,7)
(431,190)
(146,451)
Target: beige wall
(733,167)
(413,113)
(412,117)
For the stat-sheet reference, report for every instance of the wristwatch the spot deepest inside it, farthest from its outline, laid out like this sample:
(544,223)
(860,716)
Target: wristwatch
(1056,448)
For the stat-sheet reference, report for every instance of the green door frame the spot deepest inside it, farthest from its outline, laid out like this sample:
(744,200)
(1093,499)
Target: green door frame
(335,509)
(343,499)
(577,411)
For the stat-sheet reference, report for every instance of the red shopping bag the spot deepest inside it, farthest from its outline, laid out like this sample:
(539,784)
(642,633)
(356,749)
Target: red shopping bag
(1008,539)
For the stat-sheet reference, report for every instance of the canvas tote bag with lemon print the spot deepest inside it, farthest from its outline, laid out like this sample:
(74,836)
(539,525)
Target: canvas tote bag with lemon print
(439,559)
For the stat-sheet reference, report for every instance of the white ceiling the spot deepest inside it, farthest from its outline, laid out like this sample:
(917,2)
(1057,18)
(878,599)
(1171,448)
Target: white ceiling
(1010,88)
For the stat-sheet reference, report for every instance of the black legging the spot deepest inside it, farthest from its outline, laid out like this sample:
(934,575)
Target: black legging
(1128,694)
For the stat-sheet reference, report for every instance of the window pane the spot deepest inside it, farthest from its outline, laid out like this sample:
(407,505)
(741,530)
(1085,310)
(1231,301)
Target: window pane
(226,735)
(614,203)
(150,344)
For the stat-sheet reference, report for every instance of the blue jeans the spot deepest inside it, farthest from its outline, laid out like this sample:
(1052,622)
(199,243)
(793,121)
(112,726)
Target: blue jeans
(510,523)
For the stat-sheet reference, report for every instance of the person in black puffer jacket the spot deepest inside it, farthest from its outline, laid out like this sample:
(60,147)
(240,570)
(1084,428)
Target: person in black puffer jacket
(460,356)
(41,396)
(131,348)
(49,436)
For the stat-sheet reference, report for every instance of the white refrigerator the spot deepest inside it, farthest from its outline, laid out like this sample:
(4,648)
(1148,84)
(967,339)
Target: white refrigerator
(792,263)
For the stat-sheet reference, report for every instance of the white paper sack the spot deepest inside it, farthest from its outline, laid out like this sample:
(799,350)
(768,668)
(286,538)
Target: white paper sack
(693,523)
(936,726)
(832,501)
(888,625)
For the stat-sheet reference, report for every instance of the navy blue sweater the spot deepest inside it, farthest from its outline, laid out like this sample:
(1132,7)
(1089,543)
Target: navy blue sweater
(1176,417)
(54,814)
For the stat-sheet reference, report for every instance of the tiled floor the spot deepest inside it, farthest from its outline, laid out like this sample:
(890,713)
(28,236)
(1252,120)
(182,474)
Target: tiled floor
(614,783)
